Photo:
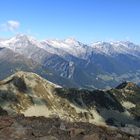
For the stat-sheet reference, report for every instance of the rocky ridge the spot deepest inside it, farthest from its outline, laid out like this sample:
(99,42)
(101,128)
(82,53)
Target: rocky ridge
(29,94)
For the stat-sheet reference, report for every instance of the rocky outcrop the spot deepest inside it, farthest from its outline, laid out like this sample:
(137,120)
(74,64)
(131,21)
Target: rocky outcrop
(3,112)
(40,128)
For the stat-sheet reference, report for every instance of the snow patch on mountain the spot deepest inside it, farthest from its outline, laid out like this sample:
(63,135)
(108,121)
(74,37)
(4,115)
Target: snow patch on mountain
(65,47)
(118,47)
(71,46)
(20,42)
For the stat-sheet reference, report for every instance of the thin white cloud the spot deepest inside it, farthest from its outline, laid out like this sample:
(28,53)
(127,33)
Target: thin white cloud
(10,25)
(13,25)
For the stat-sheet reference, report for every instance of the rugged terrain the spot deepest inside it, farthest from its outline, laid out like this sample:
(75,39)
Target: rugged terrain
(71,63)
(11,62)
(40,128)
(28,94)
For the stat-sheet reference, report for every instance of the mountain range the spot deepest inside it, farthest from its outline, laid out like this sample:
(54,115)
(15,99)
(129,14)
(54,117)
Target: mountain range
(71,63)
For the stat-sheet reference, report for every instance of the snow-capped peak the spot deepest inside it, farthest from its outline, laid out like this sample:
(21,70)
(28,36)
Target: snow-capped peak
(21,41)
(26,38)
(72,41)
(118,47)
(22,36)
(63,47)
(66,43)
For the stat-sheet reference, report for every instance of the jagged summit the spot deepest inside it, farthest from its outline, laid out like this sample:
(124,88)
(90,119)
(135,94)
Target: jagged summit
(118,47)
(66,43)
(20,41)
(72,41)
(23,36)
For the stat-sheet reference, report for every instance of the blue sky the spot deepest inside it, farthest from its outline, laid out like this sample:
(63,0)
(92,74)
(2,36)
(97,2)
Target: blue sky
(85,20)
